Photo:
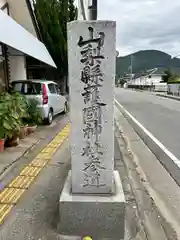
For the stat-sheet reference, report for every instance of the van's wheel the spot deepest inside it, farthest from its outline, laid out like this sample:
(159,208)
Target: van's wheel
(65,108)
(49,119)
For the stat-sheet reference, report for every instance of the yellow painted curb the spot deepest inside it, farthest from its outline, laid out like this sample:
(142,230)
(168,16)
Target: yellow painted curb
(11,194)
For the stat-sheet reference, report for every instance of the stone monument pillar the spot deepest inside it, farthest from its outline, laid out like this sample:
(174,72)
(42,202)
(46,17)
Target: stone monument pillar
(92,201)
(91,78)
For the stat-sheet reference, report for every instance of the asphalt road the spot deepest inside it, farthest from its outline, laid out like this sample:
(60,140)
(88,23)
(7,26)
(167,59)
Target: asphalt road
(160,116)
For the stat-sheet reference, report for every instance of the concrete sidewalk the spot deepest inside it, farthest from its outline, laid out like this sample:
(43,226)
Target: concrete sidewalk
(13,159)
(35,215)
(159,94)
(168,96)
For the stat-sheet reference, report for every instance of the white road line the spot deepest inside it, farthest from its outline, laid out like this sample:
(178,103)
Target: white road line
(154,139)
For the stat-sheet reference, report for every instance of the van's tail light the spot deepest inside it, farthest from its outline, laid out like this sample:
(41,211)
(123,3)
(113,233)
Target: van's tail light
(45,94)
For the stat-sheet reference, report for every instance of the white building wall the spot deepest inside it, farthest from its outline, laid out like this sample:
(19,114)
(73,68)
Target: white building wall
(2,2)
(145,80)
(174,89)
(148,81)
(136,81)
(20,13)
(16,64)
(157,79)
(153,80)
(17,68)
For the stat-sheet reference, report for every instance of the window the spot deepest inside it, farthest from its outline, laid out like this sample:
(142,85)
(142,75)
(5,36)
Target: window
(18,87)
(32,88)
(57,89)
(28,88)
(52,88)
(37,88)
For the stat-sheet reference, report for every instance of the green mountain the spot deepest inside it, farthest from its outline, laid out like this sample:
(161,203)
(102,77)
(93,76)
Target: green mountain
(147,59)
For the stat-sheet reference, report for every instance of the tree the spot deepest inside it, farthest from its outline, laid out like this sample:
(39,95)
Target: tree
(170,77)
(52,17)
(167,76)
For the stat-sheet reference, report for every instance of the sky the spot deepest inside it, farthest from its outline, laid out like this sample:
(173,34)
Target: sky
(144,24)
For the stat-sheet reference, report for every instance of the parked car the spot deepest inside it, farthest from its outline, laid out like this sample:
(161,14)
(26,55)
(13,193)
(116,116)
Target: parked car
(47,93)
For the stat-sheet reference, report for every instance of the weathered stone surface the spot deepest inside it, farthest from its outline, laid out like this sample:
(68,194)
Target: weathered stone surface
(99,216)
(92,52)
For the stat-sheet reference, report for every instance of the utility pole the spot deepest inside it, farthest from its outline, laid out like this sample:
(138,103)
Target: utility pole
(92,7)
(82,12)
(131,66)
(87,9)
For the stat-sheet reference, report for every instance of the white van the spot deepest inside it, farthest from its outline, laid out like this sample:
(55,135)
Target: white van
(47,93)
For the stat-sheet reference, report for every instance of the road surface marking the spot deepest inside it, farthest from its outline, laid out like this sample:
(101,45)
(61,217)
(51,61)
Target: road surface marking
(10,195)
(154,139)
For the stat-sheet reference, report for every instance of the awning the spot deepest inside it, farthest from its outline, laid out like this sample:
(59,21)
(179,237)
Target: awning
(15,36)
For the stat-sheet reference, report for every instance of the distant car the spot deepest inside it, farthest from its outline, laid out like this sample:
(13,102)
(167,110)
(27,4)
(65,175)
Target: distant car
(47,93)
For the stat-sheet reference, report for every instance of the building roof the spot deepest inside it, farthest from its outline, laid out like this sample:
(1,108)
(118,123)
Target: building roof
(23,41)
(34,81)
(152,72)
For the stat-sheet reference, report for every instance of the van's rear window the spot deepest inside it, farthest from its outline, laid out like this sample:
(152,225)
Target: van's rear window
(28,88)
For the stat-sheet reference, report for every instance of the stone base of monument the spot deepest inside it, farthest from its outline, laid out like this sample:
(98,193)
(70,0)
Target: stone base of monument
(98,216)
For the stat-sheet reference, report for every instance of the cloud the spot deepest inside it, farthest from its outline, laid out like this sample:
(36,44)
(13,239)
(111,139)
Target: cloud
(144,24)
